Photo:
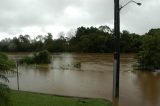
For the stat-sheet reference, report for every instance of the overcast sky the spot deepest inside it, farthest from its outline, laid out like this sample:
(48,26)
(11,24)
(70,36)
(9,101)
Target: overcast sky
(36,17)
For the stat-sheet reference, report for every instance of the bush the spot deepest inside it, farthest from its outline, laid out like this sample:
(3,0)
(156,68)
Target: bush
(77,64)
(42,57)
(27,60)
(149,57)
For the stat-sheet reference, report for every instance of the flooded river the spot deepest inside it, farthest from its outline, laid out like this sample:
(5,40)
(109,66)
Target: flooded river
(93,79)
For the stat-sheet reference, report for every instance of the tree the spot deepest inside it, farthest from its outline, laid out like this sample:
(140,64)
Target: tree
(24,43)
(48,42)
(38,43)
(15,44)
(60,44)
(130,42)
(105,28)
(92,39)
(4,44)
(6,66)
(149,56)
(42,57)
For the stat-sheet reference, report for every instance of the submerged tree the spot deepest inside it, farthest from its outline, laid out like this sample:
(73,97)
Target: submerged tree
(42,57)
(149,56)
(6,66)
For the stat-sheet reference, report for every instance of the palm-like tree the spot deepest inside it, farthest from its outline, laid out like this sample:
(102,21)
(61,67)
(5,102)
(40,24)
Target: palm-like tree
(6,67)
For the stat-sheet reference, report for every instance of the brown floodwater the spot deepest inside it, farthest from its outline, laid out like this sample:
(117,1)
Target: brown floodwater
(93,79)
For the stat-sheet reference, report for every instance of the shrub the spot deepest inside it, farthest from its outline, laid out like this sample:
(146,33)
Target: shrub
(77,64)
(42,57)
(27,60)
(149,57)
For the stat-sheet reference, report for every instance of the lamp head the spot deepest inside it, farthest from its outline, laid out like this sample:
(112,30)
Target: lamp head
(139,4)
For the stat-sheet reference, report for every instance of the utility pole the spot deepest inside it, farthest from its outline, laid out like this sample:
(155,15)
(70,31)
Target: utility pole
(116,66)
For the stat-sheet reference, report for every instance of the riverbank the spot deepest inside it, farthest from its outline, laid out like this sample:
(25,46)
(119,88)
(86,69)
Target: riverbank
(20,98)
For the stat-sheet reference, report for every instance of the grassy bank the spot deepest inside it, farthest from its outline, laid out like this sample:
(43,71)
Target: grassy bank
(34,99)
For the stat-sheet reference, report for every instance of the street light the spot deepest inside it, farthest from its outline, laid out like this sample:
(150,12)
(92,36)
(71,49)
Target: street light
(139,4)
(116,65)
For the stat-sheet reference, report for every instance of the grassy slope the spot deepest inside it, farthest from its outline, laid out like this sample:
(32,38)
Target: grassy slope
(34,99)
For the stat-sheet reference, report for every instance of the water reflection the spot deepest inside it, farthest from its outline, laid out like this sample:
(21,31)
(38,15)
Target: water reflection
(39,70)
(148,83)
(115,101)
(42,70)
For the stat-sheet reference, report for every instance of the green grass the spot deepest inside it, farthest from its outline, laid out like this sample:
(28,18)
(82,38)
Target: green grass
(19,98)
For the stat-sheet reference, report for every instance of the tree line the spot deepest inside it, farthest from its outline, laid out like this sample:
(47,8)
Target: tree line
(86,39)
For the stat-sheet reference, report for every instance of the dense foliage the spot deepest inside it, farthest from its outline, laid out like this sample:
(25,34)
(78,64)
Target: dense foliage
(6,66)
(90,39)
(42,57)
(149,55)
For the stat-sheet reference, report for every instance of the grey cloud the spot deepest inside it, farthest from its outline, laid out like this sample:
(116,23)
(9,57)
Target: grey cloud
(18,14)
(141,19)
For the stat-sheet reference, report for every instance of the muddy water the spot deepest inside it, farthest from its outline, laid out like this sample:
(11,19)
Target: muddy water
(93,79)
